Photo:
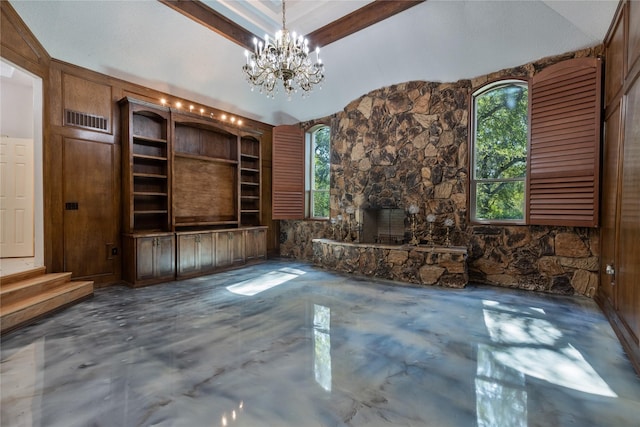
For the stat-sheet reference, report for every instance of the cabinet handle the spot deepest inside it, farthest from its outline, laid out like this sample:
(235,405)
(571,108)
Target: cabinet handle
(230,236)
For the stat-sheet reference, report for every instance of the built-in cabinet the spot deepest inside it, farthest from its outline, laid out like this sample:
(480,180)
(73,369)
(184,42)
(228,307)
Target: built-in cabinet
(255,243)
(230,246)
(250,180)
(190,182)
(150,258)
(197,253)
(203,252)
(619,291)
(145,167)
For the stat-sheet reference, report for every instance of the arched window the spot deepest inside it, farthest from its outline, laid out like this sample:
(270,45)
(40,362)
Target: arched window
(318,167)
(499,152)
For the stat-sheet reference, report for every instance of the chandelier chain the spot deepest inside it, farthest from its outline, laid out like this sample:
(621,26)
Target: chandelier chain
(283,18)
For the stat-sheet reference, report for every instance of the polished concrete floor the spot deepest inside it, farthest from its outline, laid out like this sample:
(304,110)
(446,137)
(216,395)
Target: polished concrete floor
(285,344)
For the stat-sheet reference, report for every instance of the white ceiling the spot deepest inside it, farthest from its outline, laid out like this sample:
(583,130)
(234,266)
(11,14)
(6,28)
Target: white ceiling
(148,43)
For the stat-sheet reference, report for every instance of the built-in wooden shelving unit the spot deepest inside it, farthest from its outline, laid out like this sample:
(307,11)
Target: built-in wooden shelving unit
(193,194)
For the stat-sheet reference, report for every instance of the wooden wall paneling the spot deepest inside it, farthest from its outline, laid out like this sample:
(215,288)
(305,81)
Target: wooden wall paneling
(90,227)
(614,66)
(84,96)
(55,97)
(273,232)
(608,201)
(633,37)
(204,191)
(53,204)
(18,43)
(629,250)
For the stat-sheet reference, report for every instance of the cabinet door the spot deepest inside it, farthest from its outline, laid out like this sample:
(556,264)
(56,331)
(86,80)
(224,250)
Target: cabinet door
(236,245)
(256,244)
(206,251)
(164,257)
(187,254)
(223,249)
(145,258)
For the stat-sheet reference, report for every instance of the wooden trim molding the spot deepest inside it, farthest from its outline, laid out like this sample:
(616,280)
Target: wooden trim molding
(18,43)
(618,325)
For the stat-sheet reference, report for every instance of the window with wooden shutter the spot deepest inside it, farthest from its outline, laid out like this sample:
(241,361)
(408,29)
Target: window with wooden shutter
(564,152)
(288,172)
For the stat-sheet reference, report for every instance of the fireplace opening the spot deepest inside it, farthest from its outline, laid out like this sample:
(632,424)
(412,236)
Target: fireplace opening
(383,225)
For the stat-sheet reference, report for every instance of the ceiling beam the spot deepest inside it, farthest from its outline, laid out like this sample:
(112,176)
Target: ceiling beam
(359,19)
(362,18)
(203,14)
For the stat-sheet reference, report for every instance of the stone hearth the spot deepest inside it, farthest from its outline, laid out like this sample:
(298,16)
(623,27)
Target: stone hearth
(424,265)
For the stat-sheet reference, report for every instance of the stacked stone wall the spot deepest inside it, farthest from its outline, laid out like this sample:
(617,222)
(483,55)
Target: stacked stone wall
(407,144)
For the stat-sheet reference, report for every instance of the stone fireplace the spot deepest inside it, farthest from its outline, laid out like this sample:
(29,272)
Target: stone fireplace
(383,225)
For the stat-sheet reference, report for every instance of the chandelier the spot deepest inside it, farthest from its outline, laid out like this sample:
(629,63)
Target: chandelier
(285,57)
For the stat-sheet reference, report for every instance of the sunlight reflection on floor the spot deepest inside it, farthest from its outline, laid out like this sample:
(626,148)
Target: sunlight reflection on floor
(264,282)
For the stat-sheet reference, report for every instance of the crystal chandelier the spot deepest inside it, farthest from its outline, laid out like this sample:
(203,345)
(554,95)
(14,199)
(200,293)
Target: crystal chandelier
(284,58)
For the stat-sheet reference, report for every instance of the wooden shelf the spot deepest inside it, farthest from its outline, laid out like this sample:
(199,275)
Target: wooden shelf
(152,212)
(205,158)
(250,197)
(256,184)
(148,139)
(205,223)
(147,157)
(149,193)
(250,170)
(250,156)
(146,166)
(149,175)
(250,210)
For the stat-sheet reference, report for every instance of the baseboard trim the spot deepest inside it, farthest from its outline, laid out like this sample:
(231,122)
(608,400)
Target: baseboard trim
(629,344)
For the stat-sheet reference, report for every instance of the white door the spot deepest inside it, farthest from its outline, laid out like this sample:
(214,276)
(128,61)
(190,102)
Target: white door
(16,197)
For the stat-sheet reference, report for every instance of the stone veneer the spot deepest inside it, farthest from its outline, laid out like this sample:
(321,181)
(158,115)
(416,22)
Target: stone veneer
(408,144)
(424,265)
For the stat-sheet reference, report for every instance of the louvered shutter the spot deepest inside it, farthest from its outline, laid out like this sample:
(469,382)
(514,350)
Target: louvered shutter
(564,155)
(288,172)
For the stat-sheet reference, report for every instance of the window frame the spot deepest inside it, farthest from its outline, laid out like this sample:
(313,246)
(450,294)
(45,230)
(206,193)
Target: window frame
(473,181)
(309,191)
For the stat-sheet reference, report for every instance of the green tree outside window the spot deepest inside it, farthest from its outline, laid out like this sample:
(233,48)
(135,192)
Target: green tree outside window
(500,152)
(321,155)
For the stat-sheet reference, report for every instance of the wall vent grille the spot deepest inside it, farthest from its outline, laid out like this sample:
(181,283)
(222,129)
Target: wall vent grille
(84,120)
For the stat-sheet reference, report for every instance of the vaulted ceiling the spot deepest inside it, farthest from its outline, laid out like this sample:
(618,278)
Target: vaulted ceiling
(151,44)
